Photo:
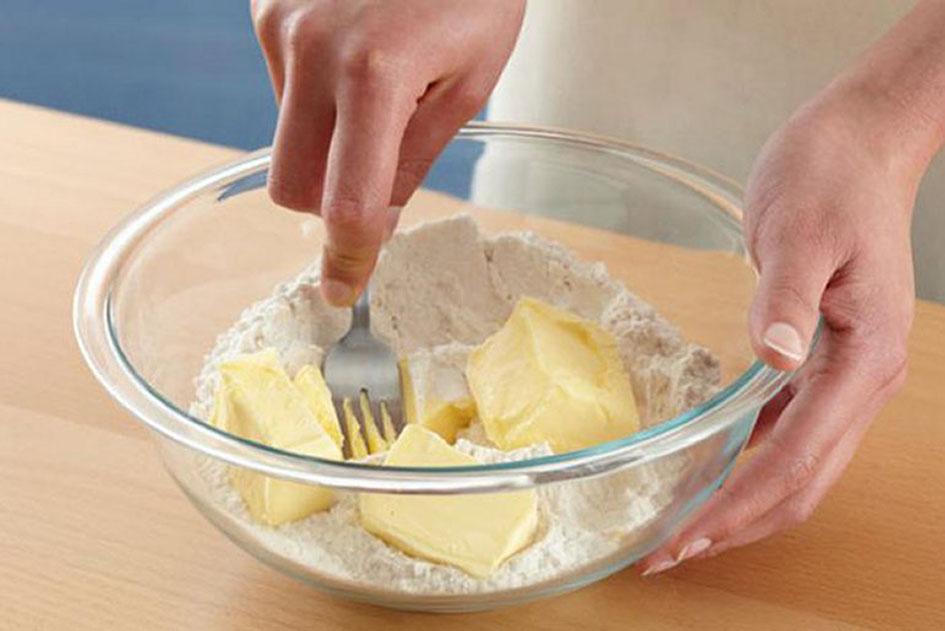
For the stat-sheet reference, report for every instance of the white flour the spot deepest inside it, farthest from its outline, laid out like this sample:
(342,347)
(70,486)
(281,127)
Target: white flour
(441,283)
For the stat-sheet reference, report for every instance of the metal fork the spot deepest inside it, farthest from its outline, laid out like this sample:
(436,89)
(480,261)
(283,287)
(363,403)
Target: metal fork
(361,363)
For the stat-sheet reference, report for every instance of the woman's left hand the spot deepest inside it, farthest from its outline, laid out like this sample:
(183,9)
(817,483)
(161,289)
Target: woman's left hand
(828,210)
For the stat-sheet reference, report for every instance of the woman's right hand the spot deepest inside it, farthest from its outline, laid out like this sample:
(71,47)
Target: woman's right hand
(369,93)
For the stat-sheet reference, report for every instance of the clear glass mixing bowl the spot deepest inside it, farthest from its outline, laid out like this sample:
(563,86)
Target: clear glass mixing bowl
(177,272)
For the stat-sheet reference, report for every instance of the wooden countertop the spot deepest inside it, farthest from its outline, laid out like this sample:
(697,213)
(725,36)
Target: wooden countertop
(93,533)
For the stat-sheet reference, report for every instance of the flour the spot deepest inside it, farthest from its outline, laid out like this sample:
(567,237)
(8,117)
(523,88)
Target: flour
(443,283)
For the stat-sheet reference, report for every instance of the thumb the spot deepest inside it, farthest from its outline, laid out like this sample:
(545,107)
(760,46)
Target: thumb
(786,305)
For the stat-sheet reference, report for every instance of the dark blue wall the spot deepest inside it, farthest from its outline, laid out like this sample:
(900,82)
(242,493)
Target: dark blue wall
(186,67)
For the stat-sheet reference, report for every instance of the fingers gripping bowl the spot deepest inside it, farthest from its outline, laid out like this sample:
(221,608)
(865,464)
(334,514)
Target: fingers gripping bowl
(175,275)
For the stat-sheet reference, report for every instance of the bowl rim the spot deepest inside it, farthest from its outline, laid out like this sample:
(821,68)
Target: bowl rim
(98,342)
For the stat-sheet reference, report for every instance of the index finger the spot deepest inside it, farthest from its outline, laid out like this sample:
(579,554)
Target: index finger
(361,166)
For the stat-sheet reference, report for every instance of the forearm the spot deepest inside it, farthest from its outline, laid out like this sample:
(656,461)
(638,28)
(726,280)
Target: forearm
(896,90)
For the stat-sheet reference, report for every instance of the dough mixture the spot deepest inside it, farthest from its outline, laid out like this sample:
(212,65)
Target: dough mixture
(437,287)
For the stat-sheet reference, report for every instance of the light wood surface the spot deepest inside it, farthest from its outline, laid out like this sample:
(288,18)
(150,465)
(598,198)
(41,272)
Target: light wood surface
(94,535)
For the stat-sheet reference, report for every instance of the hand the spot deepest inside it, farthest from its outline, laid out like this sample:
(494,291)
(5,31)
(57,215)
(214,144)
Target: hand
(370,92)
(828,212)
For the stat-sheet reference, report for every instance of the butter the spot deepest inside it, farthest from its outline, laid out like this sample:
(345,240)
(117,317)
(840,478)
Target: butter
(390,434)
(474,532)
(311,384)
(550,376)
(435,392)
(257,400)
(356,444)
(375,440)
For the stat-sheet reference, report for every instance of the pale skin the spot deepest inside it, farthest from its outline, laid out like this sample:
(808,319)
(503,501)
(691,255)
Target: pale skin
(371,91)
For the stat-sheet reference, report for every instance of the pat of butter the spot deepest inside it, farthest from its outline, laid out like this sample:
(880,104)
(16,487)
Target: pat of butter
(435,392)
(356,444)
(550,376)
(376,443)
(311,384)
(257,400)
(474,532)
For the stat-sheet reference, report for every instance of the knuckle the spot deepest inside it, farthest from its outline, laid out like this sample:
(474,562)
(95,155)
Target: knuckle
(411,172)
(846,307)
(785,290)
(469,97)
(866,306)
(354,237)
(348,262)
(368,65)
(879,337)
(800,472)
(349,218)
(799,510)
(797,471)
(266,20)
(302,30)
(291,197)
(795,230)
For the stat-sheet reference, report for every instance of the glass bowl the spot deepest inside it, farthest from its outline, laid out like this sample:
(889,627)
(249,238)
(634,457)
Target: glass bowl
(177,272)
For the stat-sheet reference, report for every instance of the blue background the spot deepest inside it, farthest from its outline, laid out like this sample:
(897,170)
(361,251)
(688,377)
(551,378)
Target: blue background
(185,67)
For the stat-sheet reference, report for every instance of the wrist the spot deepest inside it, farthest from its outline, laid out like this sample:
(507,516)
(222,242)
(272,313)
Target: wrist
(898,134)
(906,126)
(895,93)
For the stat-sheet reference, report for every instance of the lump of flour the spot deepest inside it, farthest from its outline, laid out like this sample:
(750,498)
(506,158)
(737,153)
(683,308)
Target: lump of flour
(433,286)
(445,282)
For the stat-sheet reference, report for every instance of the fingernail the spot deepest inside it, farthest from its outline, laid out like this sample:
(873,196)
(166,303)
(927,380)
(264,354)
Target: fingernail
(337,293)
(659,567)
(785,339)
(696,547)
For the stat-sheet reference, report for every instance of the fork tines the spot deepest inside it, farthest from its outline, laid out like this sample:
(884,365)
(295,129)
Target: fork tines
(365,437)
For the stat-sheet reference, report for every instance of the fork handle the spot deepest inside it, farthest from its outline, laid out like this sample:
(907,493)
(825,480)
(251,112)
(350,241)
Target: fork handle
(361,311)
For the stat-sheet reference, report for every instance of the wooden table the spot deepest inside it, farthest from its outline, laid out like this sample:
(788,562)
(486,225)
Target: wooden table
(94,535)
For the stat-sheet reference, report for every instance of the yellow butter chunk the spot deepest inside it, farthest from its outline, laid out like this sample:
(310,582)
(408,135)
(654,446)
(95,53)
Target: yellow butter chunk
(474,532)
(257,400)
(355,440)
(390,434)
(435,392)
(550,376)
(375,440)
(311,384)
